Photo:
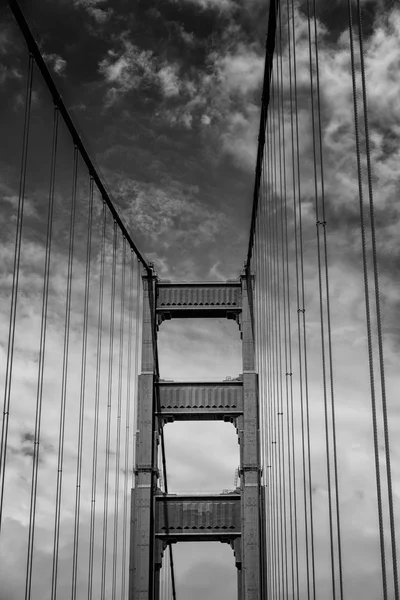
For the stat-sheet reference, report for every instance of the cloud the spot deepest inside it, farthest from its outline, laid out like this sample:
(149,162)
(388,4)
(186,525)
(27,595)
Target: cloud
(96,10)
(57,63)
(156,210)
(219,5)
(240,71)
(8,73)
(29,205)
(133,69)
(229,84)
(169,80)
(6,38)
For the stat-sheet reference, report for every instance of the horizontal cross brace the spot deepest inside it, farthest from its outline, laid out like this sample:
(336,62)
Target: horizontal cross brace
(201,400)
(190,518)
(198,300)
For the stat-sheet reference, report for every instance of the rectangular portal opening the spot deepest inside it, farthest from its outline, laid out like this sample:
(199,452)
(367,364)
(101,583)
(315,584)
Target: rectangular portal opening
(202,570)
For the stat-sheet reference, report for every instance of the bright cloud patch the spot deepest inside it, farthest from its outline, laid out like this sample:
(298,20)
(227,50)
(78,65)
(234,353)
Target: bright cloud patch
(57,63)
(96,9)
(132,68)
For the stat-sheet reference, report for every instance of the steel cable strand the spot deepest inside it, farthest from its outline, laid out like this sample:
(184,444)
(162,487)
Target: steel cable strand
(75,135)
(82,395)
(275,344)
(328,313)
(378,308)
(164,465)
(136,363)
(297,263)
(260,358)
(97,405)
(257,332)
(109,410)
(163,454)
(268,313)
(307,406)
(287,326)
(127,425)
(264,367)
(321,301)
(256,268)
(41,360)
(273,361)
(272,348)
(256,271)
(261,374)
(303,368)
(279,413)
(42,352)
(267,369)
(292,129)
(263,355)
(368,311)
(270,48)
(15,287)
(119,417)
(282,146)
(64,380)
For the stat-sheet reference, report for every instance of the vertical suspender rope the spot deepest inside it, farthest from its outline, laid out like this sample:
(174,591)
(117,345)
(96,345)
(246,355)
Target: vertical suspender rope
(272,345)
(282,146)
(97,405)
(277,329)
(128,432)
(64,381)
(320,224)
(82,395)
(267,352)
(264,308)
(290,375)
(378,310)
(119,417)
(328,312)
(137,362)
(15,285)
(42,351)
(302,344)
(368,312)
(109,408)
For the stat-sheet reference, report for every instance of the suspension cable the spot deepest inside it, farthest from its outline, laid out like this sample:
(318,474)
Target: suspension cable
(82,395)
(64,380)
(97,406)
(58,101)
(108,418)
(378,309)
(128,419)
(368,311)
(119,417)
(42,351)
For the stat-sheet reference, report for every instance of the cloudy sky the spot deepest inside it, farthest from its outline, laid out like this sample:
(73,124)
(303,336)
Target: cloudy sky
(166,96)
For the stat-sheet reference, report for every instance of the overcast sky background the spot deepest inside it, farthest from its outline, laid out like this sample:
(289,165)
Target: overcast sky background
(166,95)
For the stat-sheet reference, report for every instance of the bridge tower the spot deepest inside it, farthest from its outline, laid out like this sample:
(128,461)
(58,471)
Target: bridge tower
(159,519)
